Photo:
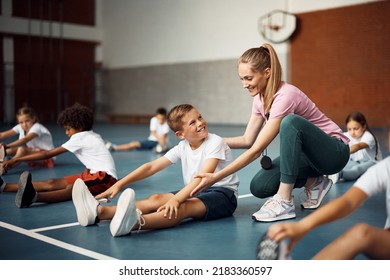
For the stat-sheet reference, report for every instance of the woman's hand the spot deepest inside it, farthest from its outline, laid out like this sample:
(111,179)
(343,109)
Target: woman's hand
(170,208)
(207,180)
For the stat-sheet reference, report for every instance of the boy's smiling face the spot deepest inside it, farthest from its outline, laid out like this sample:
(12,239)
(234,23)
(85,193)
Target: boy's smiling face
(194,128)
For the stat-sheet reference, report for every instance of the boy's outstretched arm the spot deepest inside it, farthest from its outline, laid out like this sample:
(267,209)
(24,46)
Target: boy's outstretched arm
(35,156)
(142,172)
(172,206)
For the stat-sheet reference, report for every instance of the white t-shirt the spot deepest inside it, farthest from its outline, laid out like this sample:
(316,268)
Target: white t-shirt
(193,160)
(160,129)
(377,180)
(89,148)
(43,141)
(368,153)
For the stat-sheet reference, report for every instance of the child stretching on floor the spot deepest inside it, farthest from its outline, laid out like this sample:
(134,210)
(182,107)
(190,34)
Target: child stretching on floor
(199,151)
(363,146)
(85,144)
(157,140)
(33,137)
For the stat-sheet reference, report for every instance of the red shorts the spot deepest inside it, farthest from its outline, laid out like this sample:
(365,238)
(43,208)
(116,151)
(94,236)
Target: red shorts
(97,182)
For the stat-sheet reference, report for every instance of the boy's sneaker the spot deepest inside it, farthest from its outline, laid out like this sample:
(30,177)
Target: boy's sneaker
(2,184)
(2,169)
(268,249)
(109,146)
(84,202)
(126,215)
(335,177)
(26,192)
(275,209)
(316,194)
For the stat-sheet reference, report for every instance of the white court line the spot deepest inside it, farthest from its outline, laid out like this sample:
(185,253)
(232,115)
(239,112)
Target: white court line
(57,243)
(55,227)
(245,195)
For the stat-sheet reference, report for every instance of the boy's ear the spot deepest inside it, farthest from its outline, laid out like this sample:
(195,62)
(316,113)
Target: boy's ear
(179,134)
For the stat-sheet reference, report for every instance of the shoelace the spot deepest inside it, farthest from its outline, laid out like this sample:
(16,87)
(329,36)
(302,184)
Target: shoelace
(271,204)
(141,220)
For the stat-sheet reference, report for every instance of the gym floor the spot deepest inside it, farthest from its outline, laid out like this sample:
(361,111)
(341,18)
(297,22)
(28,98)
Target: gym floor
(51,231)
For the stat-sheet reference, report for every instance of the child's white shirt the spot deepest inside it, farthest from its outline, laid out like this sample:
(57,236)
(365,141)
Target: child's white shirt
(160,129)
(43,141)
(89,148)
(368,153)
(377,180)
(193,160)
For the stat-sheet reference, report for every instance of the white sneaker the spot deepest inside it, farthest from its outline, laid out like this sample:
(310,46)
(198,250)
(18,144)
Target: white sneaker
(334,177)
(85,204)
(316,194)
(3,153)
(275,209)
(268,249)
(126,215)
(109,146)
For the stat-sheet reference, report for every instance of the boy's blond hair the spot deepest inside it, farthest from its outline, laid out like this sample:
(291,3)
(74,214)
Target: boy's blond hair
(176,114)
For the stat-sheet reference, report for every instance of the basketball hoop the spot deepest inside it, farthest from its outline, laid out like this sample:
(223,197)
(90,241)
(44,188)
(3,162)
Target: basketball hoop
(277,26)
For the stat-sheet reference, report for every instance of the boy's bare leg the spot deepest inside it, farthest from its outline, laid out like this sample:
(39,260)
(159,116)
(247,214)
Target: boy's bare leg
(55,196)
(40,186)
(361,238)
(147,205)
(128,146)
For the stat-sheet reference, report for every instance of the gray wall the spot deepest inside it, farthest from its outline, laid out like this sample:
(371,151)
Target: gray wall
(212,86)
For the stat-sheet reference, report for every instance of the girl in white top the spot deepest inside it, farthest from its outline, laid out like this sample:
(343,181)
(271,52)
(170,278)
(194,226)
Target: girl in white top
(33,137)
(364,148)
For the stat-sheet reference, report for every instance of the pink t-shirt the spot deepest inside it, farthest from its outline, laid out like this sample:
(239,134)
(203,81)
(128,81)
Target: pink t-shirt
(290,100)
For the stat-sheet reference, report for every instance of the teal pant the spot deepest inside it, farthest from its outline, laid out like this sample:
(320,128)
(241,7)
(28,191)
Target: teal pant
(305,151)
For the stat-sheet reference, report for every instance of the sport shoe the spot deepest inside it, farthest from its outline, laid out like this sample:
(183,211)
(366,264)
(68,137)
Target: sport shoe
(316,194)
(2,169)
(85,204)
(335,177)
(26,192)
(268,249)
(2,184)
(126,215)
(275,209)
(109,146)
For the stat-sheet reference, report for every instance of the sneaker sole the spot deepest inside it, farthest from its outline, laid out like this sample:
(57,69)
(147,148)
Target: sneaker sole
(118,226)
(278,218)
(324,192)
(82,210)
(267,249)
(21,189)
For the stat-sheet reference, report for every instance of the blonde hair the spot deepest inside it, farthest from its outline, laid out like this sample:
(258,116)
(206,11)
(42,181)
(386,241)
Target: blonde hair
(175,116)
(261,59)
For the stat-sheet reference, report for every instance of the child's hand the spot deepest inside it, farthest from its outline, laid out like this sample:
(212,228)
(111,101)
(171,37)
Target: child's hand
(170,208)
(109,193)
(207,180)
(8,164)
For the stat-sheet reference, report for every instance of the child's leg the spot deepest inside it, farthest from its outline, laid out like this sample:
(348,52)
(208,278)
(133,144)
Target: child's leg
(191,208)
(361,238)
(146,206)
(128,146)
(55,196)
(40,186)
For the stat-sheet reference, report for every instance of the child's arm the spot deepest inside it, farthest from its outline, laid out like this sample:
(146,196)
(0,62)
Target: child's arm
(23,140)
(332,211)
(171,207)
(35,156)
(356,147)
(142,172)
(8,133)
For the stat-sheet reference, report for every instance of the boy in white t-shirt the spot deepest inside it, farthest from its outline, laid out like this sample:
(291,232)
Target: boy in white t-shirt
(33,137)
(157,140)
(361,238)
(86,145)
(199,151)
